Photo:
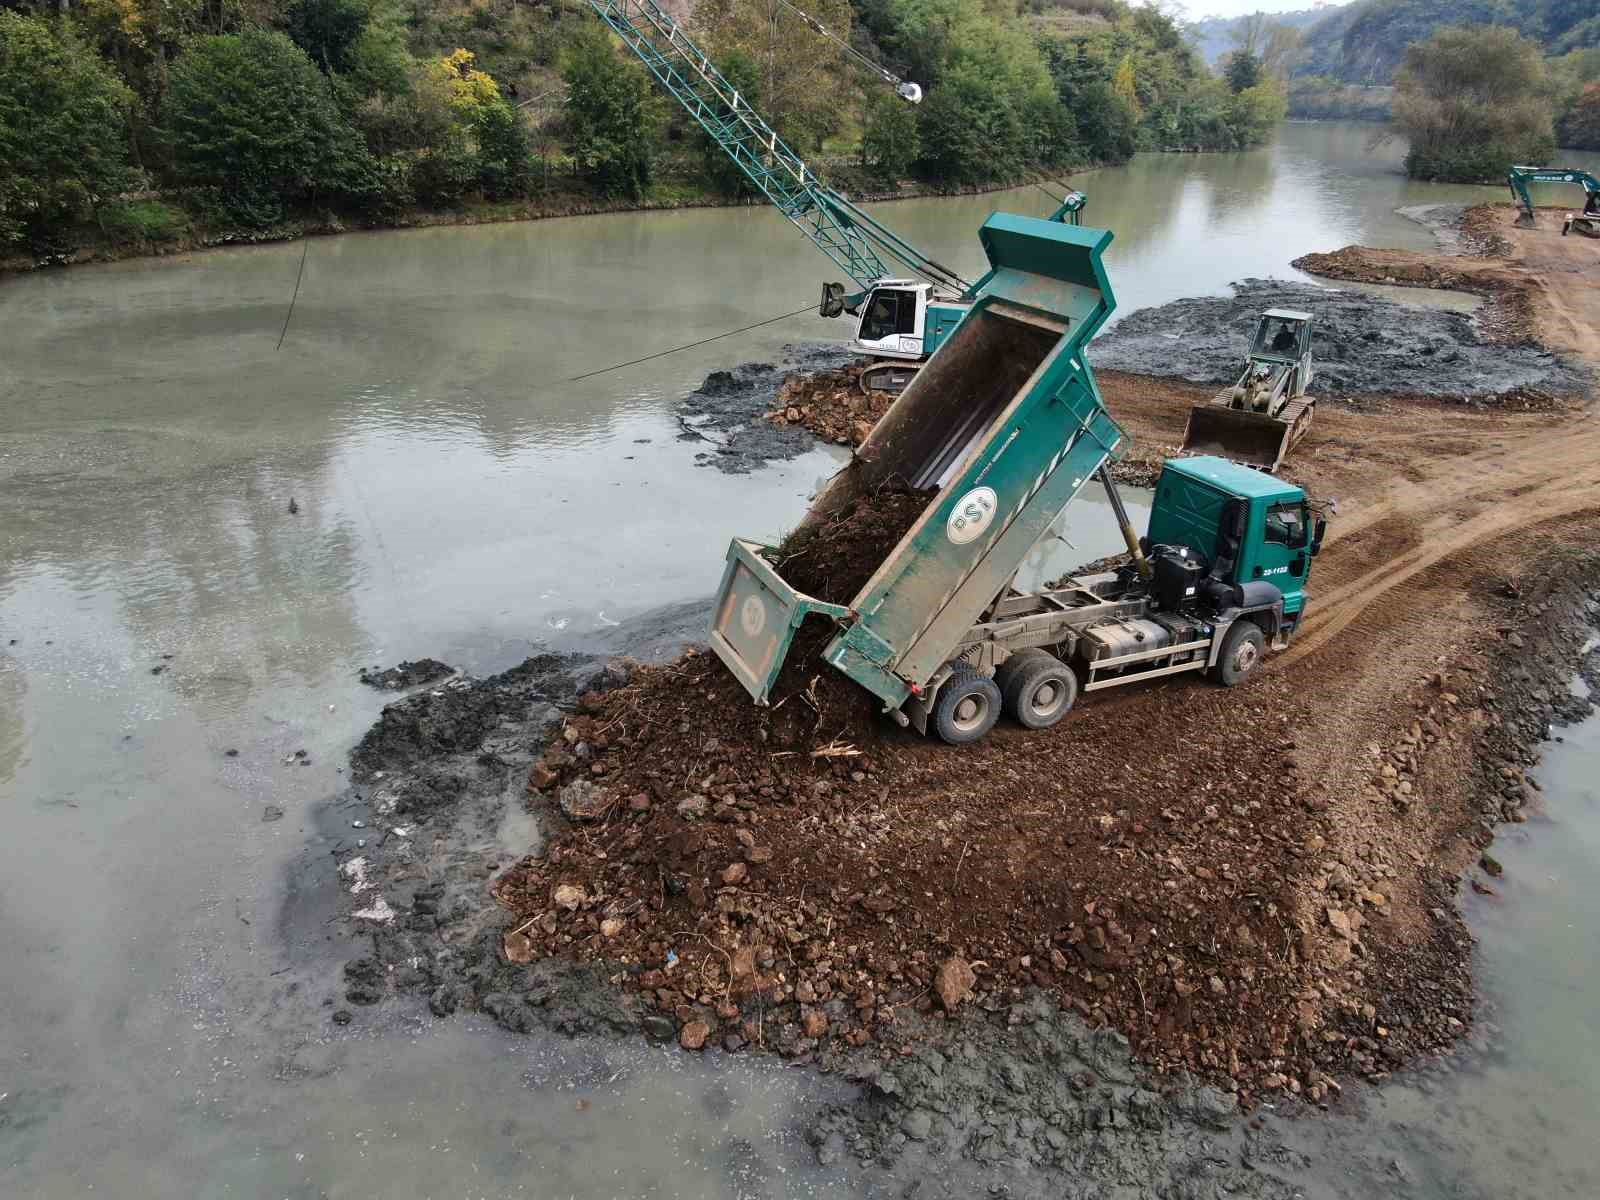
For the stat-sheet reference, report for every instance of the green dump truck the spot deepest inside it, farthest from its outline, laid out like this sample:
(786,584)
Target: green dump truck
(1006,421)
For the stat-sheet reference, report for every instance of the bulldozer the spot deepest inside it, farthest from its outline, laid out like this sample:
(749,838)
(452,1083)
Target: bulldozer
(1261,417)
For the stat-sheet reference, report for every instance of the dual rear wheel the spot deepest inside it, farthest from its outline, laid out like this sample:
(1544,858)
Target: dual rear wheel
(1032,686)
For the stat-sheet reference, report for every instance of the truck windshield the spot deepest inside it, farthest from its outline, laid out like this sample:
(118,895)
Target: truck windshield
(1286,525)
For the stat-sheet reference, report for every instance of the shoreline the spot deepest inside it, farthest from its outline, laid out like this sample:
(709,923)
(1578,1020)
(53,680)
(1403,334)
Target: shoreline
(482,214)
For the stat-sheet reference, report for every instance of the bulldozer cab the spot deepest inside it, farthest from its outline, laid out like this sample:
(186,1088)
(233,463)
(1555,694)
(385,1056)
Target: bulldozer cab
(1283,336)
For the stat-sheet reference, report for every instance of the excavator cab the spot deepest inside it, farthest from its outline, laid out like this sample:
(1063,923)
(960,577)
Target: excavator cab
(892,319)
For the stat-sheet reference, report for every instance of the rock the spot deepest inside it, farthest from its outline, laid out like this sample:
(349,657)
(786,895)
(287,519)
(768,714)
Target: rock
(734,874)
(542,778)
(954,981)
(518,947)
(611,926)
(813,1024)
(756,855)
(342,1016)
(917,1124)
(568,896)
(1339,922)
(744,963)
(692,808)
(657,1028)
(639,802)
(271,813)
(581,800)
(1492,865)
(693,1035)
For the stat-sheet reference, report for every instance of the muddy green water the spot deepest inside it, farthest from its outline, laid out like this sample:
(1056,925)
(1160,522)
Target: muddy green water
(163,1028)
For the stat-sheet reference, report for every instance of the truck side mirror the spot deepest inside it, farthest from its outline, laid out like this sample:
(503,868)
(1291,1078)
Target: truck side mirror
(1318,528)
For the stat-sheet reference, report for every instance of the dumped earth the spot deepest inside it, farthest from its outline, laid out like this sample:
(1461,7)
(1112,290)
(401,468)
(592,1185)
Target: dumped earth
(406,675)
(727,411)
(1361,343)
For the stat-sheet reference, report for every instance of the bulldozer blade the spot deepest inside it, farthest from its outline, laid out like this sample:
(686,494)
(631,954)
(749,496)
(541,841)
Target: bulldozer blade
(1246,437)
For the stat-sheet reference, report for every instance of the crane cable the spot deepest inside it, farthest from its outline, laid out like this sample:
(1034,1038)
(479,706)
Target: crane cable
(691,345)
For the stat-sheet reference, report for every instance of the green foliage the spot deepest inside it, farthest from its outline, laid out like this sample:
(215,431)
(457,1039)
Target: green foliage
(327,30)
(504,165)
(1580,124)
(971,132)
(612,118)
(63,129)
(143,221)
(740,70)
(250,117)
(1472,101)
(1243,71)
(1321,97)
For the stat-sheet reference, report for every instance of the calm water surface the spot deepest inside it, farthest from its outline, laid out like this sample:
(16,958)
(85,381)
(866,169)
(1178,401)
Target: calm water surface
(460,497)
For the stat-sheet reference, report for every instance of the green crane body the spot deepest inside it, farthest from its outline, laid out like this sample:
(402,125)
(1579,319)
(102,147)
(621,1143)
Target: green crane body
(903,317)
(1585,222)
(1007,422)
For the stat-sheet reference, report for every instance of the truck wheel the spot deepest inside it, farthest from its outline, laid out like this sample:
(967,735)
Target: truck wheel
(1005,674)
(967,707)
(1040,691)
(1242,648)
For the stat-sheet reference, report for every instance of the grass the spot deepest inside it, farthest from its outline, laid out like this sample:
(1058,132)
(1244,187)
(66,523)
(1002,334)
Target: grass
(143,221)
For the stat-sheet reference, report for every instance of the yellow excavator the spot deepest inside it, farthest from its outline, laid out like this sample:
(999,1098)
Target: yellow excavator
(1261,417)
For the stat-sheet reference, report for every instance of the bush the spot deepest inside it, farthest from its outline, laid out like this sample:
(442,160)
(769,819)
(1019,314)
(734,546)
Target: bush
(504,165)
(890,141)
(63,129)
(612,118)
(143,221)
(250,118)
(970,131)
(1473,101)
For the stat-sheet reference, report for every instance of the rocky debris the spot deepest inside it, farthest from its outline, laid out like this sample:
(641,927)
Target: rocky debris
(1362,344)
(582,800)
(954,982)
(693,1035)
(406,675)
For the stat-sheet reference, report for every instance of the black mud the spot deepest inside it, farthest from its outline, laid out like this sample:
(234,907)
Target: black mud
(727,411)
(406,675)
(1362,345)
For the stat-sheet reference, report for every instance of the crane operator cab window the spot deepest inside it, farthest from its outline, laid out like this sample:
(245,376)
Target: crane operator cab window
(891,311)
(1287,525)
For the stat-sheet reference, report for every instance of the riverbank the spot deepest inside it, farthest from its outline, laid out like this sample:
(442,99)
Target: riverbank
(180,234)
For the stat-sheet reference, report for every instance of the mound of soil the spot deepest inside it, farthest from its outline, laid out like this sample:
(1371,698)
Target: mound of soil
(406,675)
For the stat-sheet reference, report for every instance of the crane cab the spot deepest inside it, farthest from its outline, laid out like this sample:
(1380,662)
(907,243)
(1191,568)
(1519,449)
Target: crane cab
(894,319)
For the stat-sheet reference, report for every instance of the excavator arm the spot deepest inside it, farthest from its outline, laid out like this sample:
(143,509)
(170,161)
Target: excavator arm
(1518,179)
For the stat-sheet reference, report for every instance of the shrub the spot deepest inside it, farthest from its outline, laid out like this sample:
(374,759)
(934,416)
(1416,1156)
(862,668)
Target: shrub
(611,117)
(143,221)
(890,141)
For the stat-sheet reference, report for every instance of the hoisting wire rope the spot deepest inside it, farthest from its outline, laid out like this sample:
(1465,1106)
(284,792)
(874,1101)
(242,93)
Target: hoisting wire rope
(691,345)
(876,68)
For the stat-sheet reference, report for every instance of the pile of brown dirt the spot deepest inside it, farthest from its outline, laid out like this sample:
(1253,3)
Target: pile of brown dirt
(831,405)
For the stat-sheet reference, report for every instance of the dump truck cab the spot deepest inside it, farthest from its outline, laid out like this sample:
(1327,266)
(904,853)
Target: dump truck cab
(1250,527)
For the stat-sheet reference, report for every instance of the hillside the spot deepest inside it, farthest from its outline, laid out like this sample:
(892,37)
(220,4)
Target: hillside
(1363,43)
(1212,37)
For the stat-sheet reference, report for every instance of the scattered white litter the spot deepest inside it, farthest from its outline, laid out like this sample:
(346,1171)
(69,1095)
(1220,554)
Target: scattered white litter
(355,870)
(378,910)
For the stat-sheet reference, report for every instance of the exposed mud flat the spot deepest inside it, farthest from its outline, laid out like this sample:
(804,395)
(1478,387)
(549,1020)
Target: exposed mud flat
(728,411)
(1360,344)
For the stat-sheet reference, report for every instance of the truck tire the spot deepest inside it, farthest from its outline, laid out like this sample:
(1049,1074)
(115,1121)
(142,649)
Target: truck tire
(1242,651)
(967,707)
(1039,691)
(1006,673)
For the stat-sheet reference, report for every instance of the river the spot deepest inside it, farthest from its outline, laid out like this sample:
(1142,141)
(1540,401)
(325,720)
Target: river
(164,1014)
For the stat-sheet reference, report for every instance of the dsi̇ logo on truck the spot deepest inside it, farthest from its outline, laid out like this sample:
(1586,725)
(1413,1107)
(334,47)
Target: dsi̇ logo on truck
(971,515)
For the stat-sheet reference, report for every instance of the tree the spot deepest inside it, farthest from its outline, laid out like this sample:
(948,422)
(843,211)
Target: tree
(1243,71)
(890,142)
(63,129)
(250,116)
(505,168)
(1472,101)
(612,118)
(797,74)
(327,30)
(1580,127)
(1124,85)
(971,132)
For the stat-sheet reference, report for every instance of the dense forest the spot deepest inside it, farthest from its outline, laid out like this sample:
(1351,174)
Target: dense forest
(142,121)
